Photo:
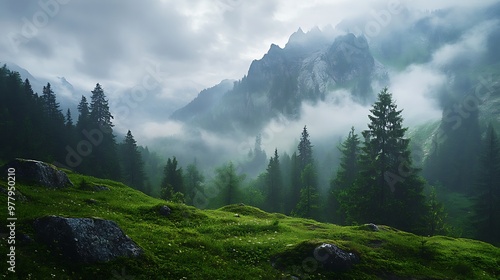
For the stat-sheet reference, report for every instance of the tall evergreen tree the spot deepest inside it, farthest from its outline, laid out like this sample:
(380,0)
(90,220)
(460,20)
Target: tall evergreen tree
(435,218)
(68,119)
(132,164)
(228,184)
(172,183)
(487,191)
(274,195)
(257,158)
(84,114)
(193,181)
(309,197)
(104,158)
(339,200)
(306,172)
(388,190)
(54,124)
(444,164)
(305,150)
(82,125)
(295,184)
(50,105)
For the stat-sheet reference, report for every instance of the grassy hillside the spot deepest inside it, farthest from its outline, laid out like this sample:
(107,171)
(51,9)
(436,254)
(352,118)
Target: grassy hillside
(216,244)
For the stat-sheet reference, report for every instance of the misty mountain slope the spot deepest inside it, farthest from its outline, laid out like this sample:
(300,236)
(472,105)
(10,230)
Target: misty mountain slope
(204,102)
(307,69)
(67,94)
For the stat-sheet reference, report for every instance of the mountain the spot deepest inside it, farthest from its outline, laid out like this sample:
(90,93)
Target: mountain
(67,95)
(204,102)
(307,69)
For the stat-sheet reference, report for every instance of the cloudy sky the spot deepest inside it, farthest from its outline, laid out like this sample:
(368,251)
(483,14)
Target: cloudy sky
(166,50)
(194,44)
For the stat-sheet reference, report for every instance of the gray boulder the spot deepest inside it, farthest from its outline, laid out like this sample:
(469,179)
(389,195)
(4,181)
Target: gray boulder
(165,211)
(372,227)
(38,173)
(333,258)
(86,240)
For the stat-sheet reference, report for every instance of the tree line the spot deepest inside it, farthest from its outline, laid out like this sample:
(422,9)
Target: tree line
(34,126)
(376,182)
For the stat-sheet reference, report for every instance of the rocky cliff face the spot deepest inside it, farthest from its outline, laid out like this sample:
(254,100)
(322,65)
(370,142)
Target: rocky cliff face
(310,67)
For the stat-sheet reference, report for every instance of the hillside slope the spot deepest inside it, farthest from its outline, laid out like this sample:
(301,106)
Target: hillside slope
(217,244)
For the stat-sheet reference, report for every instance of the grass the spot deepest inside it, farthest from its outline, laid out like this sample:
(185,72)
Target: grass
(218,244)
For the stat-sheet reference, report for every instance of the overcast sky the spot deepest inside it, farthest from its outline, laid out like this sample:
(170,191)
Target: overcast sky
(167,50)
(192,44)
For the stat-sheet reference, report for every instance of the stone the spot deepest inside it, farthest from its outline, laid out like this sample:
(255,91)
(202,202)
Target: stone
(38,173)
(333,258)
(165,211)
(372,227)
(99,188)
(85,240)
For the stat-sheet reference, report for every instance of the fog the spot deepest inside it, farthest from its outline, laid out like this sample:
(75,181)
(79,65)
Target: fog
(153,59)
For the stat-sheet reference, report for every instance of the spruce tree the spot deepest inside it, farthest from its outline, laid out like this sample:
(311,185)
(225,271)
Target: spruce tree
(227,183)
(84,114)
(435,218)
(104,157)
(295,183)
(305,150)
(309,197)
(132,164)
(193,181)
(339,200)
(487,191)
(388,190)
(172,186)
(274,196)
(53,125)
(307,200)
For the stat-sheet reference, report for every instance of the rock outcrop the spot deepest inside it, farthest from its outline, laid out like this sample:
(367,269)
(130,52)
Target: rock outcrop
(86,240)
(333,258)
(38,173)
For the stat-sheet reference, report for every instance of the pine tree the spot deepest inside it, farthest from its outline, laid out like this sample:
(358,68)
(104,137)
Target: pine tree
(487,189)
(193,181)
(309,198)
(274,197)
(172,184)
(84,114)
(339,201)
(68,119)
(50,105)
(307,178)
(99,109)
(132,164)
(295,183)
(54,124)
(305,150)
(228,184)
(435,218)
(388,190)
(104,157)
